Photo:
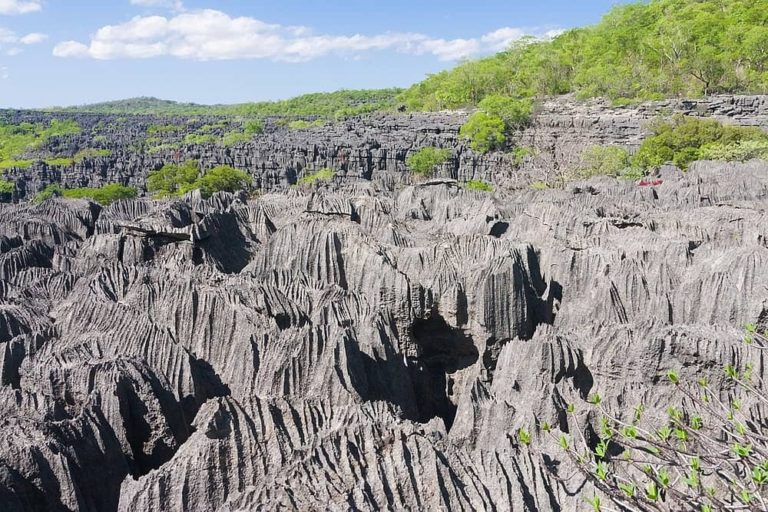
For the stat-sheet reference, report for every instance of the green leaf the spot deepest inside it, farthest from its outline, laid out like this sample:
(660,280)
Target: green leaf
(652,491)
(524,436)
(628,489)
(673,376)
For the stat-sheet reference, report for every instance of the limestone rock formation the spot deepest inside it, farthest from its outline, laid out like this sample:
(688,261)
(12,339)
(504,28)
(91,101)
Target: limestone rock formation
(357,345)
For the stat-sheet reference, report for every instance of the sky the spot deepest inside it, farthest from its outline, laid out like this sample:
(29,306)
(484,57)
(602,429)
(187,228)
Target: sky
(73,52)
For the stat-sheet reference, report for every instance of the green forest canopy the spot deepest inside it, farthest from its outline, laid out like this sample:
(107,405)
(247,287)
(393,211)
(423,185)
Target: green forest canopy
(638,51)
(337,104)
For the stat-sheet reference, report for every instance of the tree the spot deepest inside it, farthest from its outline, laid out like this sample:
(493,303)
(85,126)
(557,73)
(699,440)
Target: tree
(172,178)
(424,161)
(221,179)
(484,132)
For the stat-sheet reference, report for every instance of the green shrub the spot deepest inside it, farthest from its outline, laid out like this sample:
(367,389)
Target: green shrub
(176,180)
(7,187)
(516,113)
(302,124)
(233,138)
(520,153)
(484,132)
(199,139)
(479,186)
(20,164)
(604,161)
(707,453)
(105,195)
(52,190)
(159,129)
(173,179)
(681,140)
(253,127)
(221,179)
(60,161)
(739,151)
(325,174)
(424,161)
(539,185)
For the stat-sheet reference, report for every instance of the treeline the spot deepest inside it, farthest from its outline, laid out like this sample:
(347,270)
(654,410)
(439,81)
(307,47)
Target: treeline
(332,105)
(639,51)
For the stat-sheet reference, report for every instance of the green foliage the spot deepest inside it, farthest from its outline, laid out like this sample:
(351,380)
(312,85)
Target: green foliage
(234,138)
(222,179)
(160,129)
(18,139)
(105,195)
(337,104)
(686,139)
(539,185)
(520,153)
(739,151)
(707,454)
(478,185)
(20,164)
(173,179)
(638,51)
(325,174)
(484,132)
(7,187)
(253,127)
(515,113)
(52,190)
(424,161)
(302,124)
(604,161)
(199,138)
(60,161)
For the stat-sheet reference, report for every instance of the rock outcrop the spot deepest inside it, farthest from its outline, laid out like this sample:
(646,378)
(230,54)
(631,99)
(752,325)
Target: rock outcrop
(360,345)
(372,147)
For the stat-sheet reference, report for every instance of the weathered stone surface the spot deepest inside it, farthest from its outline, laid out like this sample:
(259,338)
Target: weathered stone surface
(357,346)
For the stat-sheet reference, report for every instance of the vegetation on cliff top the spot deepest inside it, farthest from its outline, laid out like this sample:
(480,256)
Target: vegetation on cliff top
(639,51)
(337,104)
(104,195)
(174,180)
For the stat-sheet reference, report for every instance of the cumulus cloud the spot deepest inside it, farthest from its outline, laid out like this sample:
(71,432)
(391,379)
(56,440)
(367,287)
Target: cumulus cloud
(10,37)
(33,38)
(214,35)
(19,6)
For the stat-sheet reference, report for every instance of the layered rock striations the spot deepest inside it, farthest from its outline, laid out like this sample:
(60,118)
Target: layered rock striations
(358,345)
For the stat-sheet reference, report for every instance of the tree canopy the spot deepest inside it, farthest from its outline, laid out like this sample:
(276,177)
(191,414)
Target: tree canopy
(638,51)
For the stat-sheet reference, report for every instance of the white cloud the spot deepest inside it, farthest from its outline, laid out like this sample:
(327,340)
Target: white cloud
(4,74)
(33,38)
(213,35)
(19,6)
(10,37)
(176,5)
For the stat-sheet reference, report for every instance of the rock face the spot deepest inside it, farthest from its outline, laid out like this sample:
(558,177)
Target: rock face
(371,147)
(358,346)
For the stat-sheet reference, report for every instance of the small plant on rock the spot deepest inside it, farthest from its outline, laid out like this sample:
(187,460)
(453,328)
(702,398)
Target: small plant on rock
(424,161)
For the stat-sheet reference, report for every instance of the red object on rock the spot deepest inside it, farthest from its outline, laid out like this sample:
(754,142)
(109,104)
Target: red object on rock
(650,183)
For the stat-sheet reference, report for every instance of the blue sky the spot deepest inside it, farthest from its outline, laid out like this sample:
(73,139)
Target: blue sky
(65,52)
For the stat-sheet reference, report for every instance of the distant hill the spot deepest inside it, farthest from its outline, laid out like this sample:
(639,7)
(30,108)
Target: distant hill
(337,104)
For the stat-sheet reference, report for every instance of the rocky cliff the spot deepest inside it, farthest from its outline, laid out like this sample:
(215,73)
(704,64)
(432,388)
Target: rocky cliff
(363,345)
(363,147)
